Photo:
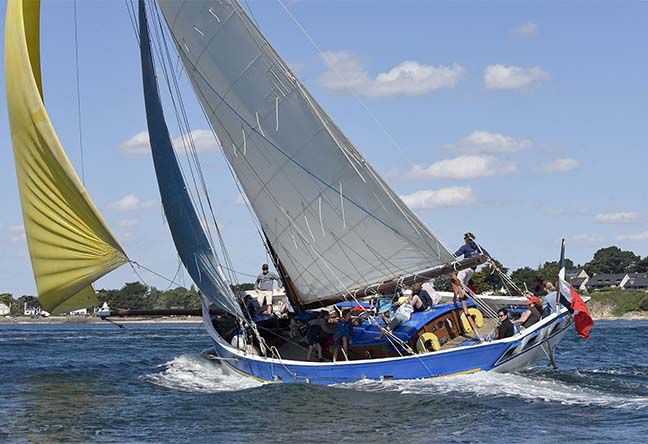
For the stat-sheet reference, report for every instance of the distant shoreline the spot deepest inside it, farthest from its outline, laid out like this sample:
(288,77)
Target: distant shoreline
(630,316)
(94,320)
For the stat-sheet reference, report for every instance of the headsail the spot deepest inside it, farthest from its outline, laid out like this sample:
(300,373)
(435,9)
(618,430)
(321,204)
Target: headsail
(188,234)
(336,225)
(69,243)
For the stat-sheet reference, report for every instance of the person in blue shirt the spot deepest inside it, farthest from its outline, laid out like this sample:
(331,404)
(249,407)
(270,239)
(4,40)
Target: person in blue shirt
(342,335)
(467,250)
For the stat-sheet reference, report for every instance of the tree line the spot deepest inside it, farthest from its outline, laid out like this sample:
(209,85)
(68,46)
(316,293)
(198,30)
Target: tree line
(137,295)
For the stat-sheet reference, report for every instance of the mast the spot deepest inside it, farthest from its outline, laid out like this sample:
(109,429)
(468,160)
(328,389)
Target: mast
(292,293)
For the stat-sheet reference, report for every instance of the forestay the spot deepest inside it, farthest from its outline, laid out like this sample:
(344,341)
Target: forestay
(69,243)
(331,219)
(188,234)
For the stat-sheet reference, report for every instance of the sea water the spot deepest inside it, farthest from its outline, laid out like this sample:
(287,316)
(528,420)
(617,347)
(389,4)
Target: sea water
(152,383)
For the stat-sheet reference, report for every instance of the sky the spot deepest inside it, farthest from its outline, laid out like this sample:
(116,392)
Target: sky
(522,122)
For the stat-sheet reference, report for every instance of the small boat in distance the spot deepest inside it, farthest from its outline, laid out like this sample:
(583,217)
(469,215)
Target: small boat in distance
(333,227)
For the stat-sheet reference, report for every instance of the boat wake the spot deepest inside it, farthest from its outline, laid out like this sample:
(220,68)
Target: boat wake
(528,387)
(196,373)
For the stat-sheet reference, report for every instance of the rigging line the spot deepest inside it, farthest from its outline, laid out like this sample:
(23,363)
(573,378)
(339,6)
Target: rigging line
(175,275)
(131,16)
(247,5)
(195,157)
(131,262)
(187,140)
(239,272)
(353,92)
(78,88)
(184,130)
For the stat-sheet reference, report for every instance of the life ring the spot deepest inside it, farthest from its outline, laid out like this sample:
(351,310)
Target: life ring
(477,317)
(421,346)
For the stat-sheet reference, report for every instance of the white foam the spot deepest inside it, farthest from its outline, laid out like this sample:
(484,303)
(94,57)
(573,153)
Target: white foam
(489,384)
(194,373)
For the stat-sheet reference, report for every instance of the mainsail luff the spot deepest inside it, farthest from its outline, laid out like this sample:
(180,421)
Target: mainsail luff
(188,235)
(69,243)
(296,167)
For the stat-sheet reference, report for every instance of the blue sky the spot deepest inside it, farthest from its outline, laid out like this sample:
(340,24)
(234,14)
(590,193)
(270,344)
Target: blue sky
(522,122)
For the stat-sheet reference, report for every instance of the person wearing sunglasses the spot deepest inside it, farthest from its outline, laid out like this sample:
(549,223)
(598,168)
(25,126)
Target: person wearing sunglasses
(505,329)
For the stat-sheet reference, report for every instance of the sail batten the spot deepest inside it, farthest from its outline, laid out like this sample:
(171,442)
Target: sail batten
(69,243)
(298,164)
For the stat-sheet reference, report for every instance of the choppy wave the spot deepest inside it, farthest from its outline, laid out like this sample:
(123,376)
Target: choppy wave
(493,385)
(196,373)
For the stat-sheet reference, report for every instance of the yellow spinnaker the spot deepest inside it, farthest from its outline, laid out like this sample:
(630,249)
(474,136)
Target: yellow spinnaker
(69,243)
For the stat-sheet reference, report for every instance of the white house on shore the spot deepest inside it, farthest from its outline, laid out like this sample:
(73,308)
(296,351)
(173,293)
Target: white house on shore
(4,309)
(80,312)
(623,281)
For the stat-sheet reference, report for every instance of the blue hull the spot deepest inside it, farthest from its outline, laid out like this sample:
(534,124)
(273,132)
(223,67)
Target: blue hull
(503,355)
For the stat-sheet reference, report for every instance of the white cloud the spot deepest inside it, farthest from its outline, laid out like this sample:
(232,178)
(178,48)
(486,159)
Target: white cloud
(346,73)
(443,197)
(633,237)
(587,238)
(559,166)
(485,142)
(503,77)
(139,144)
(624,217)
(526,30)
(463,167)
(203,141)
(136,145)
(126,223)
(131,202)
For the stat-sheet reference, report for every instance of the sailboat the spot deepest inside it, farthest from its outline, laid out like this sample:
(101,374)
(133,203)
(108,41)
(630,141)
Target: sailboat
(333,227)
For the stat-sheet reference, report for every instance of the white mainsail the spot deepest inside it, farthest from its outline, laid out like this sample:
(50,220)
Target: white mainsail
(330,218)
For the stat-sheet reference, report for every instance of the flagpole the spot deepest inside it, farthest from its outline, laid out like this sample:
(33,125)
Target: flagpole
(561,265)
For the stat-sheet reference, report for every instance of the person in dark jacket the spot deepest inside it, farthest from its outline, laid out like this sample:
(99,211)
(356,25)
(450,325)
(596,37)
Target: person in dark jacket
(505,329)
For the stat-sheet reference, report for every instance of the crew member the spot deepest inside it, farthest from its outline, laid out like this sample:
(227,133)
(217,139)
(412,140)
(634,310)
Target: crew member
(263,287)
(467,250)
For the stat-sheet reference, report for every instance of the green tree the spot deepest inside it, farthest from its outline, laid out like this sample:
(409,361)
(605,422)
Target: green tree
(549,270)
(7,299)
(642,265)
(18,307)
(525,275)
(612,260)
(243,287)
(131,295)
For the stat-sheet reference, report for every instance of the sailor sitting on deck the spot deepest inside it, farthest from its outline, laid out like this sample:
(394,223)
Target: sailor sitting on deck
(467,250)
(533,314)
(250,306)
(420,300)
(342,335)
(505,329)
(317,334)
